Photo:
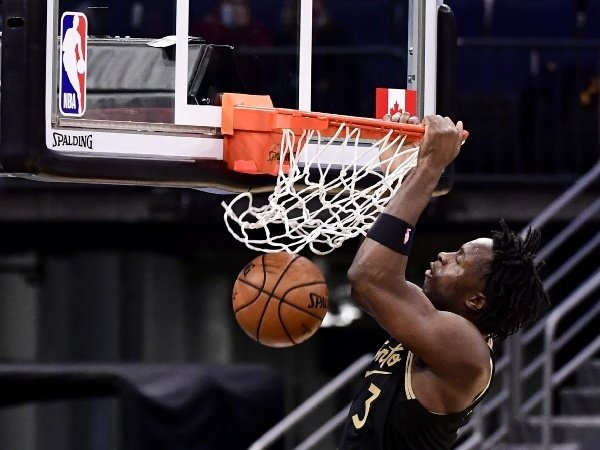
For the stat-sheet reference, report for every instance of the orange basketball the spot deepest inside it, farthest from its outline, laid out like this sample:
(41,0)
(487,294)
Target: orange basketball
(280,299)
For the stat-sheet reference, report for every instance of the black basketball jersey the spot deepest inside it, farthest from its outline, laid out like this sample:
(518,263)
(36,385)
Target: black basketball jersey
(385,415)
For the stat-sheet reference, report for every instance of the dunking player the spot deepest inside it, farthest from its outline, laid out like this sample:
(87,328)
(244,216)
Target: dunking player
(437,364)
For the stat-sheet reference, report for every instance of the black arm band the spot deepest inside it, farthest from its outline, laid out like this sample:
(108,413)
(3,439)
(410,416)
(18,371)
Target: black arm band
(392,232)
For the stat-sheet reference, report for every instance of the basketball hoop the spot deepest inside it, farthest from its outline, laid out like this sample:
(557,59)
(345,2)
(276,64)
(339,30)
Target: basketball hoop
(319,200)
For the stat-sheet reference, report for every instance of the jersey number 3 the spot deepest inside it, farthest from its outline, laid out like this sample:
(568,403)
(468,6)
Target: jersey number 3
(359,423)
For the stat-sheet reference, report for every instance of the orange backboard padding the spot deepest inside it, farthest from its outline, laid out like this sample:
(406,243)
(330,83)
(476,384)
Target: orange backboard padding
(252,130)
(229,101)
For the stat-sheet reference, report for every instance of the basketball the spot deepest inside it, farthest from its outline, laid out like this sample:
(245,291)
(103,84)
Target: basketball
(280,299)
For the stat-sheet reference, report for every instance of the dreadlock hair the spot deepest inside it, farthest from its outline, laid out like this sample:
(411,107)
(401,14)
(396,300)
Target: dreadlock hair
(514,291)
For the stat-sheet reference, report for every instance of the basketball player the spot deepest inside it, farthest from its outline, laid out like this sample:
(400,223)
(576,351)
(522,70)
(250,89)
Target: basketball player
(437,363)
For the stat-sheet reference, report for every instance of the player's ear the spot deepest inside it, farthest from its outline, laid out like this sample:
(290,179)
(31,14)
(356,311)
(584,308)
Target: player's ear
(476,302)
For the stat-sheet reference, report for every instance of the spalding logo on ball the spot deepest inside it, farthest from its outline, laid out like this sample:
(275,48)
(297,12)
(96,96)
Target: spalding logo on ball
(280,299)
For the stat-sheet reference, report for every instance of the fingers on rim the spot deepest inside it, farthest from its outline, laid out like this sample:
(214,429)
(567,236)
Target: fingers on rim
(403,117)
(397,117)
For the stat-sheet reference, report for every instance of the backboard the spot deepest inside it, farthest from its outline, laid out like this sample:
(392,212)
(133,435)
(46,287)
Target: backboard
(112,91)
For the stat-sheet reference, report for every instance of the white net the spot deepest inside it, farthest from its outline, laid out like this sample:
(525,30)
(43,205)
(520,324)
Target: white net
(320,203)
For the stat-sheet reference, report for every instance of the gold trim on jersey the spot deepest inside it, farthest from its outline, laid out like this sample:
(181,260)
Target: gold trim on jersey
(408,377)
(487,386)
(368,373)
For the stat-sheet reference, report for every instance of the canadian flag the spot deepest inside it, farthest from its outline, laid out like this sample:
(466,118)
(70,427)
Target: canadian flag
(391,101)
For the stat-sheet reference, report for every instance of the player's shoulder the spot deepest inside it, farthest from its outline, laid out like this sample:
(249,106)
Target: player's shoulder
(468,364)
(460,330)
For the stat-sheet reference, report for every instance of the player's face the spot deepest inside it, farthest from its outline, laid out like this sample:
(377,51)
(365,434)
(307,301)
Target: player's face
(457,276)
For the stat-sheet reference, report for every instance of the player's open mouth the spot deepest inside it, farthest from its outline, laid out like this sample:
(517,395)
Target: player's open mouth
(429,272)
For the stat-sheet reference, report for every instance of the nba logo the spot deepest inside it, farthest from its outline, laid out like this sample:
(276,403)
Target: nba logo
(73,64)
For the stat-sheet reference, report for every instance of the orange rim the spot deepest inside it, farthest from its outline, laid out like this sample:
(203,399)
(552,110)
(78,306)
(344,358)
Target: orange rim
(256,113)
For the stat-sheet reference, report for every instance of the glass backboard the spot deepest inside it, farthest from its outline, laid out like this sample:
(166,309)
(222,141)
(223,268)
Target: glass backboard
(139,80)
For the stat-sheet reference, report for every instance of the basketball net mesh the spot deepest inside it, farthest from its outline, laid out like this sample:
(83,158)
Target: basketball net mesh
(322,208)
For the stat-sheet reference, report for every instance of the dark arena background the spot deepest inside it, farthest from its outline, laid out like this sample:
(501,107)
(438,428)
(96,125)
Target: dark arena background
(116,325)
